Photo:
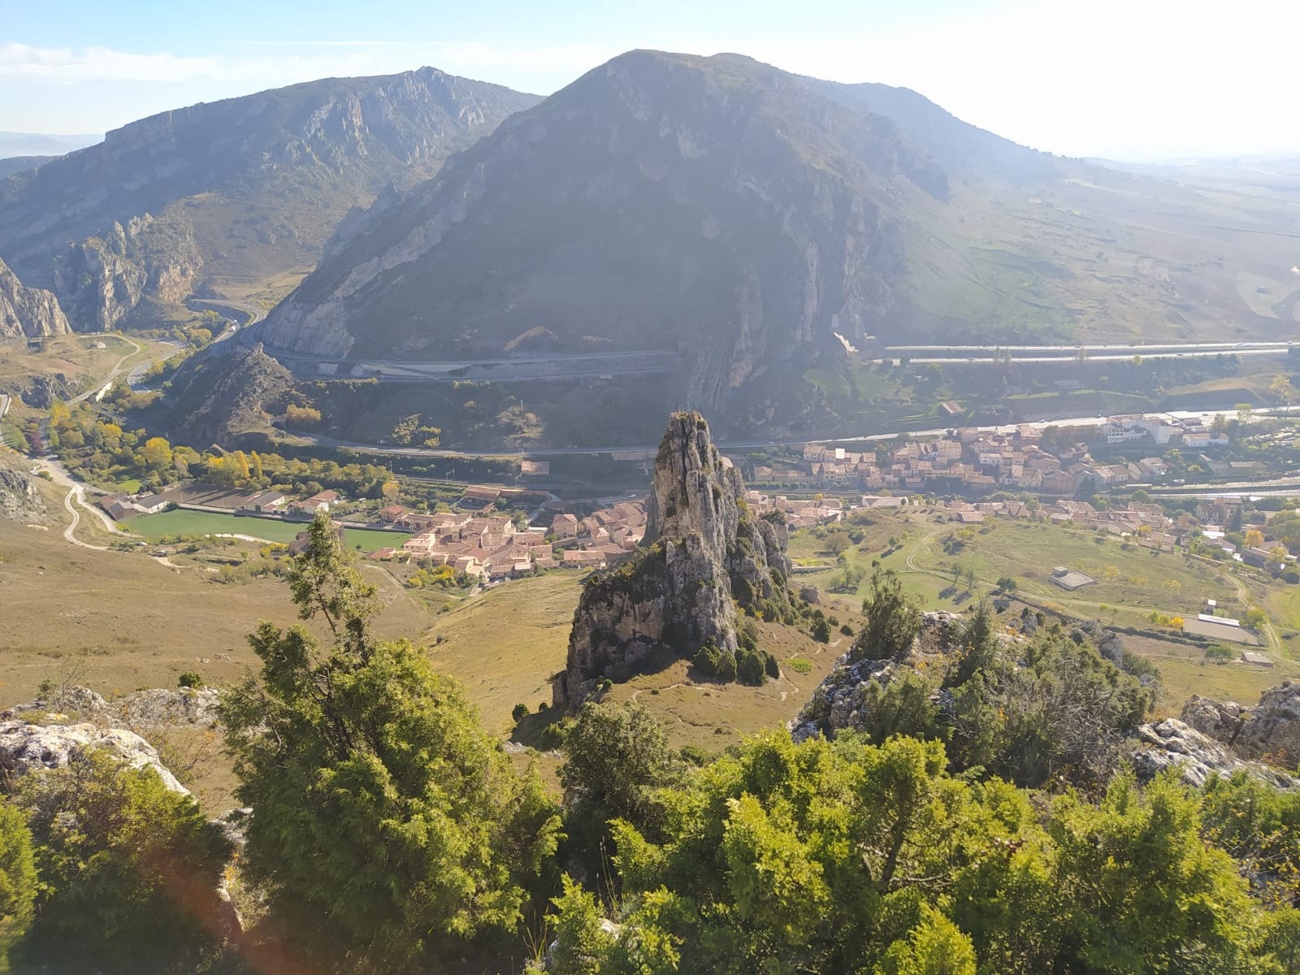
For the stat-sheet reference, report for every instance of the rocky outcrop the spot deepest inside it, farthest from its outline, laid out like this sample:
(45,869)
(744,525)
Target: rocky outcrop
(839,702)
(28,747)
(101,281)
(1174,744)
(218,396)
(27,311)
(704,553)
(1268,732)
(19,498)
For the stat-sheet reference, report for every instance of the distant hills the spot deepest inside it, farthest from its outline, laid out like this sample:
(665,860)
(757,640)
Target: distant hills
(742,239)
(224,197)
(36,144)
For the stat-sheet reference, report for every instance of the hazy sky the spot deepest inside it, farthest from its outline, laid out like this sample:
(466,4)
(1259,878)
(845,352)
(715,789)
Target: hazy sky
(1122,78)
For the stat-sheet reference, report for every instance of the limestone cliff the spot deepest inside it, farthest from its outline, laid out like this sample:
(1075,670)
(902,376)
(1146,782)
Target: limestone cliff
(100,281)
(27,311)
(705,554)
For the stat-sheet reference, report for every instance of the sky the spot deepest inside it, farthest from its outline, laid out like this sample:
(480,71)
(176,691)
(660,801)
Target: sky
(1125,79)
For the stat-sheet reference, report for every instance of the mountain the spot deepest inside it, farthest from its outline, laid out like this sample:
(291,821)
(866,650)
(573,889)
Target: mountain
(226,197)
(763,226)
(20,164)
(661,202)
(27,311)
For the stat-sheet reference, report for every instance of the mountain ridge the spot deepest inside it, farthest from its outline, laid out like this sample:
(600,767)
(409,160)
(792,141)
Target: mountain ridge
(256,182)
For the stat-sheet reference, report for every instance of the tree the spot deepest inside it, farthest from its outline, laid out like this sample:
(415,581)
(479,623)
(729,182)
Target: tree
(1254,538)
(17,880)
(1110,860)
(157,453)
(387,820)
(616,755)
(893,618)
(1243,413)
(128,868)
(1280,389)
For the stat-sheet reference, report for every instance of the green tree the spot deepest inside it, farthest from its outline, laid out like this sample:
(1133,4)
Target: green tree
(935,947)
(616,756)
(387,820)
(157,454)
(1147,893)
(17,880)
(128,869)
(893,618)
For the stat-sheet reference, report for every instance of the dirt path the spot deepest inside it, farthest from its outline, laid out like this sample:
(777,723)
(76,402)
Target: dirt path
(69,533)
(910,561)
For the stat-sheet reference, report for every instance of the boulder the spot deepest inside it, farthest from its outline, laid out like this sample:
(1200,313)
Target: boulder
(1173,744)
(26,747)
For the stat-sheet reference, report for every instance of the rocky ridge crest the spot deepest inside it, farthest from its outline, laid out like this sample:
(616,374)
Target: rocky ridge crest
(704,554)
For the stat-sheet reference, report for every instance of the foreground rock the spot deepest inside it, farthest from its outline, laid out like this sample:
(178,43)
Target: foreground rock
(1268,732)
(704,553)
(155,707)
(1174,744)
(27,747)
(19,498)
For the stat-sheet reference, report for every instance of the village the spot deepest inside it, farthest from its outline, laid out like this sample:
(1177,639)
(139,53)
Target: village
(493,533)
(974,460)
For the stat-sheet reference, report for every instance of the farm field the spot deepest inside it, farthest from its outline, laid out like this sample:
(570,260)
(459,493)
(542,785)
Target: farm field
(180,521)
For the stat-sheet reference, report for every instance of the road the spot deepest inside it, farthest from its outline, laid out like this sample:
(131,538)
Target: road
(112,373)
(1092,353)
(76,498)
(732,446)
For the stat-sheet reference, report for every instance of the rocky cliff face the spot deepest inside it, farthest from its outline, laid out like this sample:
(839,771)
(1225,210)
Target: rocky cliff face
(705,553)
(19,498)
(27,311)
(246,187)
(100,281)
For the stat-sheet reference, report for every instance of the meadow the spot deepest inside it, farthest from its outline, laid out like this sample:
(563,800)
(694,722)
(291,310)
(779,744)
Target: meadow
(929,552)
(180,521)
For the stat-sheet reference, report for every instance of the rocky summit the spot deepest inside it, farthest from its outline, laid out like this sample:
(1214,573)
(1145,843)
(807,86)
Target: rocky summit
(704,555)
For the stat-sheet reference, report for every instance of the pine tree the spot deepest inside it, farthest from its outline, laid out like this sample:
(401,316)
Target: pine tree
(385,820)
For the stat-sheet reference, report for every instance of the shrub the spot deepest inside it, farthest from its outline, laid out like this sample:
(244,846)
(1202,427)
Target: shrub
(800,665)
(519,712)
(190,679)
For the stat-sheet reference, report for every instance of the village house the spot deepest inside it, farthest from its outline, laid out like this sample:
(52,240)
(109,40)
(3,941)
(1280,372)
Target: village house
(320,501)
(266,502)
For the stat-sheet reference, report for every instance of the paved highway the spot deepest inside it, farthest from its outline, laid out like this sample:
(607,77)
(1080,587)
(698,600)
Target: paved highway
(1092,353)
